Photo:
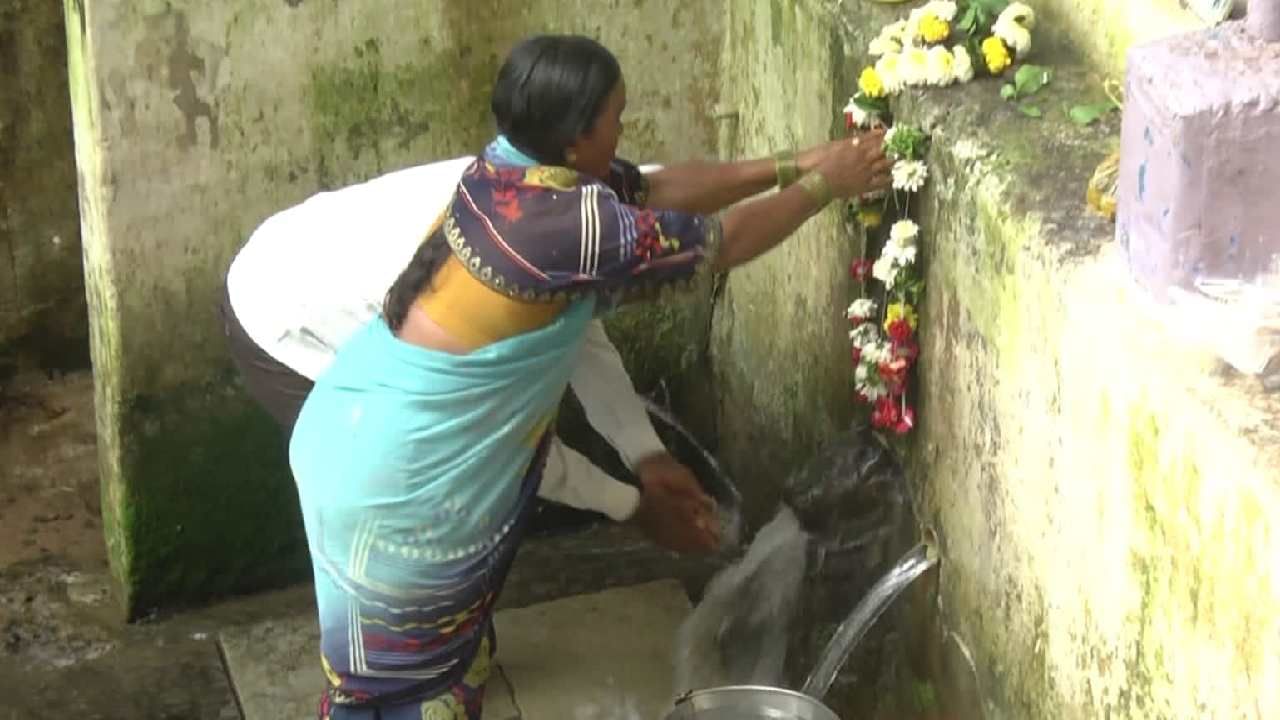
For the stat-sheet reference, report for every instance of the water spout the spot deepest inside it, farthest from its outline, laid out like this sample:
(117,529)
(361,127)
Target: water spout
(854,628)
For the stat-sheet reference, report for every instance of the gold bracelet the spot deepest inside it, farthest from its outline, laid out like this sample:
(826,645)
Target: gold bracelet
(815,183)
(787,170)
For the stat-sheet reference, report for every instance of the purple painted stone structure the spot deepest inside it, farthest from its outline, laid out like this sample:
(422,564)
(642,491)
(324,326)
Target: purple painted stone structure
(1199,187)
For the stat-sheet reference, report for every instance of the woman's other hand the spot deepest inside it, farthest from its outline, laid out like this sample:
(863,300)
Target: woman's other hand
(857,166)
(674,512)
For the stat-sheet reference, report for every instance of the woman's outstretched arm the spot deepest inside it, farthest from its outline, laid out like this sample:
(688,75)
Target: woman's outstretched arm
(851,169)
(709,187)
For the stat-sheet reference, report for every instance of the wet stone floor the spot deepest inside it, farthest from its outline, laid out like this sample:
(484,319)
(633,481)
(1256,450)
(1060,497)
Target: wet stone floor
(65,654)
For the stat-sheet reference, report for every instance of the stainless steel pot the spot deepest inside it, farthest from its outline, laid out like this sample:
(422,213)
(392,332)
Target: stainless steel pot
(749,702)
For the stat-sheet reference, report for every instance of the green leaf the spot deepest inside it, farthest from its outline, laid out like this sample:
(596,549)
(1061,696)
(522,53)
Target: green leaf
(969,20)
(1008,91)
(1088,114)
(1030,111)
(1031,78)
(875,106)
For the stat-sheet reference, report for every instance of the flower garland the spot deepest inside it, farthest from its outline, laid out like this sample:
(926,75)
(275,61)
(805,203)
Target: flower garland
(941,43)
(884,343)
(914,52)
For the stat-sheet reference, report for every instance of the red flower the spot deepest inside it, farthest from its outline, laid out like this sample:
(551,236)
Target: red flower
(886,415)
(894,374)
(906,421)
(860,269)
(849,122)
(857,356)
(908,349)
(900,331)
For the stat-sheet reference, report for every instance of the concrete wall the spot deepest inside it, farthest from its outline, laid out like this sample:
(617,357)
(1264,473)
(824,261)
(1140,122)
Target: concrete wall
(1101,32)
(43,319)
(1106,495)
(194,122)
(778,344)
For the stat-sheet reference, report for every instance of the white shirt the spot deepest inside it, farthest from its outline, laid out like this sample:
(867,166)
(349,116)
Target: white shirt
(312,275)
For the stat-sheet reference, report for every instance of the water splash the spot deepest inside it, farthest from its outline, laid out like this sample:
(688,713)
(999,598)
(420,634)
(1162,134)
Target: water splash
(738,634)
(854,628)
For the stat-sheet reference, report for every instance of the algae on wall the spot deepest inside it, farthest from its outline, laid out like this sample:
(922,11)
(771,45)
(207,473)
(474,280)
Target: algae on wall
(197,121)
(43,317)
(1104,494)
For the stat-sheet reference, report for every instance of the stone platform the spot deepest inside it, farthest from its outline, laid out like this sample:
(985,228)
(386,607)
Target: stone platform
(604,655)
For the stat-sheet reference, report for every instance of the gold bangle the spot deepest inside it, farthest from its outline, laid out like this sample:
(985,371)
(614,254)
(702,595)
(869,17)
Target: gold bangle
(787,170)
(815,183)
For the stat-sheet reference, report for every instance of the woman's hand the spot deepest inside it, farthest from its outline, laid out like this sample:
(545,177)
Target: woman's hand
(809,160)
(674,512)
(857,166)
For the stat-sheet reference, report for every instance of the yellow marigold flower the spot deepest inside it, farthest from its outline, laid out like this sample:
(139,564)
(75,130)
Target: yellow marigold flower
(934,29)
(870,83)
(899,311)
(870,218)
(996,55)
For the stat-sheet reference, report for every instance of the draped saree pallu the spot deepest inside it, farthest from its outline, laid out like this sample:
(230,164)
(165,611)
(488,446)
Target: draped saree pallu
(417,469)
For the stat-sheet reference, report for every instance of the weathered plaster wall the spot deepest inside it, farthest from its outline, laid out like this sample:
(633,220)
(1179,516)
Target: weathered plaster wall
(43,319)
(1106,496)
(195,121)
(1101,31)
(778,340)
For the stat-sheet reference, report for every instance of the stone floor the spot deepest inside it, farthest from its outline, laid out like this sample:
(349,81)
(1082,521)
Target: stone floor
(64,653)
(595,657)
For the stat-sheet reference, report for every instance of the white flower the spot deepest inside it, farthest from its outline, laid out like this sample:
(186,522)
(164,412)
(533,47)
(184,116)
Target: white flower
(1013,35)
(877,353)
(862,308)
(873,392)
(904,233)
(944,9)
(910,175)
(884,45)
(864,335)
(889,68)
(963,67)
(885,270)
(905,256)
(942,70)
(895,31)
(1019,13)
(857,116)
(911,30)
(915,66)
(1014,27)
(867,379)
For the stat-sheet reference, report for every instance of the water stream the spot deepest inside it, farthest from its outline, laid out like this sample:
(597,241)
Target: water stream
(851,631)
(843,520)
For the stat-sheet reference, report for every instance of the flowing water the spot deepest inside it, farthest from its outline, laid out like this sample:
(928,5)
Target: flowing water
(845,518)
(852,630)
(738,634)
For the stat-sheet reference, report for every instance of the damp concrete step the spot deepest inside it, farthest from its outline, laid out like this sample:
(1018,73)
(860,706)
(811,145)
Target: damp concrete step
(606,654)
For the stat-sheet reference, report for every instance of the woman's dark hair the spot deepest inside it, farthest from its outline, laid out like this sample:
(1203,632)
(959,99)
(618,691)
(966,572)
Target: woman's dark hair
(550,90)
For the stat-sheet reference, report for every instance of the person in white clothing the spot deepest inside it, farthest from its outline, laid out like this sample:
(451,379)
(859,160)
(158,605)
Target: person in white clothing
(312,275)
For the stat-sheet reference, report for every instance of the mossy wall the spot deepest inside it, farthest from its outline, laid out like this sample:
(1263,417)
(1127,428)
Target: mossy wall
(196,121)
(43,319)
(1105,493)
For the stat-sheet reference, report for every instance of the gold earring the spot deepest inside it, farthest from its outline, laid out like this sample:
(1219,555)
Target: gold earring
(570,157)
